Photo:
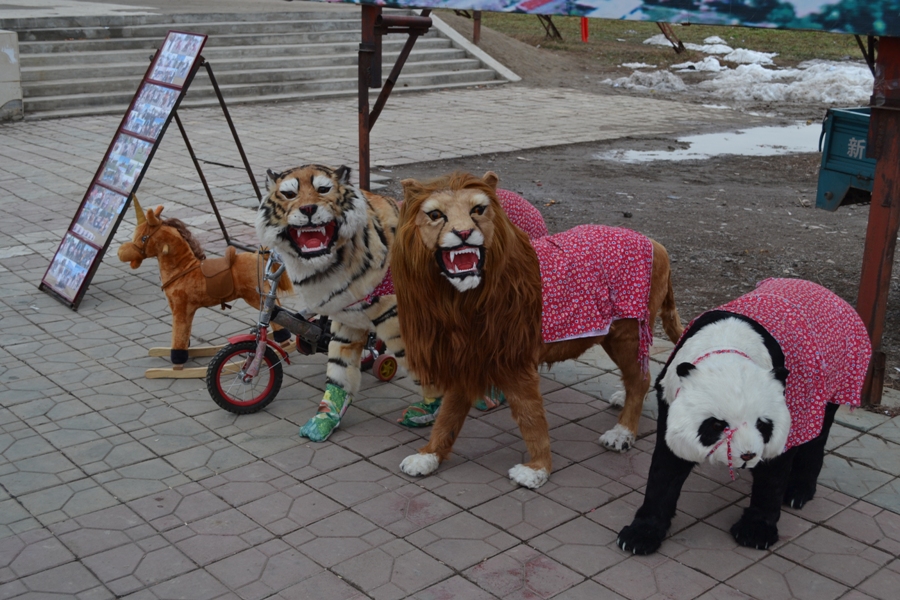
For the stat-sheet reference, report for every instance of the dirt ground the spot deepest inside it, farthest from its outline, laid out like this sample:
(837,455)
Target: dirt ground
(727,222)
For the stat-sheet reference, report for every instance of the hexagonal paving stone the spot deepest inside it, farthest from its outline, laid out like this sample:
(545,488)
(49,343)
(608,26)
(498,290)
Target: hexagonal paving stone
(393,570)
(405,510)
(836,556)
(524,513)
(462,540)
(648,576)
(581,545)
(523,572)
(775,578)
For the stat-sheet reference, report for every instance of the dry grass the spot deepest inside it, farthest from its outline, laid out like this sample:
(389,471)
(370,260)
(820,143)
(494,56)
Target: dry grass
(616,42)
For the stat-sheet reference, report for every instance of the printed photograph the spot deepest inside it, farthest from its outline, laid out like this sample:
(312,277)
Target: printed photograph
(176,57)
(99,215)
(70,266)
(125,162)
(151,110)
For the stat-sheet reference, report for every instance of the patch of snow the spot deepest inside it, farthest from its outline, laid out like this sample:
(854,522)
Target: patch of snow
(714,39)
(637,66)
(812,82)
(659,81)
(710,48)
(709,64)
(658,40)
(750,57)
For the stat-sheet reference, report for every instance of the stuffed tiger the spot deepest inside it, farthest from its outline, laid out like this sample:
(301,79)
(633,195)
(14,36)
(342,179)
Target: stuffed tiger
(334,240)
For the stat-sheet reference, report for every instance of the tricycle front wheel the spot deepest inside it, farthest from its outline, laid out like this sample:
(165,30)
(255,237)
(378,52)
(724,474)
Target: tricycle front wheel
(234,391)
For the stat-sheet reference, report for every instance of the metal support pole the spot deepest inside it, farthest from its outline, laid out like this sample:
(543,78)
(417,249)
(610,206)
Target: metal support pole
(884,211)
(476,26)
(237,140)
(367,58)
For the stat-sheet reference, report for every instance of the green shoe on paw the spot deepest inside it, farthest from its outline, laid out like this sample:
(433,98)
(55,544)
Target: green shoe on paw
(491,400)
(320,426)
(334,404)
(421,414)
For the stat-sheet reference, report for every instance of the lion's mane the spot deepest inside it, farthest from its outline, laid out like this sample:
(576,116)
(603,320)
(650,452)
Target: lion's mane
(467,340)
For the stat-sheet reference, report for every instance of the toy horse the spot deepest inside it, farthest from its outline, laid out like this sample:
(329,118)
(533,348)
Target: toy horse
(189,279)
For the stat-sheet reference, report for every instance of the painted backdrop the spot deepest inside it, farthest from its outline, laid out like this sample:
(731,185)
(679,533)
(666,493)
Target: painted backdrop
(876,17)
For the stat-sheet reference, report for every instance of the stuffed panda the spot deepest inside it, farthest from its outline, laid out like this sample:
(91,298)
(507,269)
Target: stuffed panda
(754,384)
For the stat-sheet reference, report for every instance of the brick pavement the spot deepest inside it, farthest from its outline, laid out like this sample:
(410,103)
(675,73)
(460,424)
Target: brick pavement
(113,485)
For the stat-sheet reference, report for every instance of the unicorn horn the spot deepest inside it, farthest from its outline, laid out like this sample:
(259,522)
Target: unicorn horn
(141,218)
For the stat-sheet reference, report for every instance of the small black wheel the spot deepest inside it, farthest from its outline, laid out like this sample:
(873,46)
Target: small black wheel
(227,387)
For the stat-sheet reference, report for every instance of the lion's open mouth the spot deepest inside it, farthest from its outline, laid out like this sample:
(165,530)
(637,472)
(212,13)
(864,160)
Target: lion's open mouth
(313,241)
(461,261)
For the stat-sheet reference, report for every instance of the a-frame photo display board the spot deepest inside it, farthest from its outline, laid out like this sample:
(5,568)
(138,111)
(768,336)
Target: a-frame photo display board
(123,166)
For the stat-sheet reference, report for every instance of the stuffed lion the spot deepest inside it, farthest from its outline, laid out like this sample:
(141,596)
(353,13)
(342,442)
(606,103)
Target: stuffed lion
(476,302)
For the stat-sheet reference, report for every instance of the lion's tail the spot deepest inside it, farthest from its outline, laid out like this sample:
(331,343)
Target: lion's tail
(669,314)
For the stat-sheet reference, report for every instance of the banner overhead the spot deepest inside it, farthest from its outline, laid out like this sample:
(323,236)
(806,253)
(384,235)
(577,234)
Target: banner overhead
(864,17)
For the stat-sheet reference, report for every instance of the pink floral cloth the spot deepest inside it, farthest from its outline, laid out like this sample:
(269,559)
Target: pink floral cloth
(591,276)
(825,344)
(523,215)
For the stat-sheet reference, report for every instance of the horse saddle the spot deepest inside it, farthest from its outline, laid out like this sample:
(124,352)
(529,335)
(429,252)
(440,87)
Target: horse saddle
(217,273)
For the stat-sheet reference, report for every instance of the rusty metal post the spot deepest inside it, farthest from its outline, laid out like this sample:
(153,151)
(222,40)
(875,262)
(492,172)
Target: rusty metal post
(369,62)
(476,26)
(884,212)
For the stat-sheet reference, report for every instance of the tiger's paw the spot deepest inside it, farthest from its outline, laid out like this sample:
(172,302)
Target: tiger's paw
(320,426)
(421,414)
(420,464)
(619,438)
(528,477)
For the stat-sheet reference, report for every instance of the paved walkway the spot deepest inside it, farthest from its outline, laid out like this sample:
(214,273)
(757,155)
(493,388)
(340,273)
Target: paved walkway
(113,485)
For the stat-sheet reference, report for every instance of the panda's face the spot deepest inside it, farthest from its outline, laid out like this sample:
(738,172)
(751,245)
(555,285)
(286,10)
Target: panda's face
(725,397)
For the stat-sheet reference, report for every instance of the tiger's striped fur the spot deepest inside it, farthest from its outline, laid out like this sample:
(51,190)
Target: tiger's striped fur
(334,240)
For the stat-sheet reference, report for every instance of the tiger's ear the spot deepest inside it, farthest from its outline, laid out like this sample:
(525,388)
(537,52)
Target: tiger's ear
(343,174)
(491,179)
(411,188)
(272,177)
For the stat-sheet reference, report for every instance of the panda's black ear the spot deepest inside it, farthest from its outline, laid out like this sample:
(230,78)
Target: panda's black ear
(781,374)
(684,369)
(343,174)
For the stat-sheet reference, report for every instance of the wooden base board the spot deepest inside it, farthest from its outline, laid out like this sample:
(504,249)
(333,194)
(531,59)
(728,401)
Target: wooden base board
(192,352)
(170,373)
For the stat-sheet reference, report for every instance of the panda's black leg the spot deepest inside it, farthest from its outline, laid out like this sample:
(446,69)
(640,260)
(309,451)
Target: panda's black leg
(758,526)
(808,464)
(667,474)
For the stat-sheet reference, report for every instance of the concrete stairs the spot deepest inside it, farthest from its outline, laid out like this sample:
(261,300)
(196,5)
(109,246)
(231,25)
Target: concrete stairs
(93,65)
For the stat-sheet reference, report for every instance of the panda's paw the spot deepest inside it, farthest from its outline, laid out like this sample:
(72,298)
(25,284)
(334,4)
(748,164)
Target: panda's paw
(754,532)
(643,536)
(799,493)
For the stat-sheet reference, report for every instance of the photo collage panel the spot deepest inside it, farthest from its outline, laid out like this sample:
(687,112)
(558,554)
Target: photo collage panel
(125,162)
(99,214)
(176,57)
(70,266)
(151,110)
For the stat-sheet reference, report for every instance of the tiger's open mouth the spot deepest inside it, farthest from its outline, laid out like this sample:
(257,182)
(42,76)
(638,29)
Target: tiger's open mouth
(461,261)
(315,240)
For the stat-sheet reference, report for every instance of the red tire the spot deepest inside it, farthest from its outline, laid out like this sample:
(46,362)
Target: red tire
(385,367)
(228,387)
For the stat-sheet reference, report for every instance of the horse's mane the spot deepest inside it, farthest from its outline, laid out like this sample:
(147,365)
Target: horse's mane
(485,335)
(188,237)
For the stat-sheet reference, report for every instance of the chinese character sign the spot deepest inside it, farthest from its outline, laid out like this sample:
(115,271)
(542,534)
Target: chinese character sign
(875,17)
(856,148)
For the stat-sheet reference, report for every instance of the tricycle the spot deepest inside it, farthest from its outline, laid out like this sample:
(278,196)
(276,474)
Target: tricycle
(246,374)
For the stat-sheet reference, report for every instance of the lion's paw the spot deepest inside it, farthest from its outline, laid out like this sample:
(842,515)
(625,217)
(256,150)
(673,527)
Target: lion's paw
(420,464)
(528,477)
(619,438)
(617,399)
